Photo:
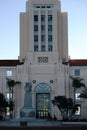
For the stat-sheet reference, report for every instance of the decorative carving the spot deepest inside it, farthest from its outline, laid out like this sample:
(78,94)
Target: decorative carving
(51,81)
(34,81)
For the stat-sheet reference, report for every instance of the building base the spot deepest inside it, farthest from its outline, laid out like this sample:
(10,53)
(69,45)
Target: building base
(27,113)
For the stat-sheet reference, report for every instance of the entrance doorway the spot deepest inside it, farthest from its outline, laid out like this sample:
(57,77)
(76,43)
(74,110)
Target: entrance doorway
(43,93)
(42,105)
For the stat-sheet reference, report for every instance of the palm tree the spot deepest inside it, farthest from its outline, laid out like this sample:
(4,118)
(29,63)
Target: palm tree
(11,83)
(77,83)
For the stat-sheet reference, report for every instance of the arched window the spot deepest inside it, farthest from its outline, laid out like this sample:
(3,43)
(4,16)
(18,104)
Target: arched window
(42,88)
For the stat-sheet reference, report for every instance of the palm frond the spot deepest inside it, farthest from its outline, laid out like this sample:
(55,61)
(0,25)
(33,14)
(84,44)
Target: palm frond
(84,93)
(77,82)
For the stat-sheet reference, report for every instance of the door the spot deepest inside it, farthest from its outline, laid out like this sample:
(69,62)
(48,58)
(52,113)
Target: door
(42,105)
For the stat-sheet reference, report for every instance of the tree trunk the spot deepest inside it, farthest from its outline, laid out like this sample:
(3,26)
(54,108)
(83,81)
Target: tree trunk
(74,93)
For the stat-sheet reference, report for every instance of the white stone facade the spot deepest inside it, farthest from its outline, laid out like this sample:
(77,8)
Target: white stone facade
(44,21)
(42,66)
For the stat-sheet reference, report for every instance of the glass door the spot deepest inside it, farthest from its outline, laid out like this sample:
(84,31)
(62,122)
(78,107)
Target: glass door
(42,105)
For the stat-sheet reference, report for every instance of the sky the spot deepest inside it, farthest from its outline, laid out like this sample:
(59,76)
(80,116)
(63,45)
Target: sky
(9,27)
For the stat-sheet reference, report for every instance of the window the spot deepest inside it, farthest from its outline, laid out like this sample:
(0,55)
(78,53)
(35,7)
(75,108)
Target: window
(38,7)
(49,18)
(50,48)
(9,73)
(35,17)
(42,37)
(48,7)
(8,96)
(78,112)
(43,48)
(77,72)
(42,27)
(35,47)
(35,27)
(43,5)
(42,18)
(50,38)
(77,96)
(36,38)
(49,27)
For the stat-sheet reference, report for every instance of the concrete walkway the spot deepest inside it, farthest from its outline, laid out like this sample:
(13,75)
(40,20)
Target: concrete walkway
(39,123)
(30,122)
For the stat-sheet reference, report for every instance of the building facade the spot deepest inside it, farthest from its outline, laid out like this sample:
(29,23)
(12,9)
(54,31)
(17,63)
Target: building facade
(43,62)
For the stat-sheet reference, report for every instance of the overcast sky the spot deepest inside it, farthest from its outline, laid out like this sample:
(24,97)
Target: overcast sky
(9,27)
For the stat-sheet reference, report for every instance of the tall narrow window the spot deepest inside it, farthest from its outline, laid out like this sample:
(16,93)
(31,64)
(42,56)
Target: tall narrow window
(8,98)
(42,27)
(35,17)
(49,28)
(42,42)
(35,30)
(36,38)
(35,42)
(50,36)
(49,18)
(50,48)
(42,18)
(42,37)
(43,46)
(35,27)
(35,47)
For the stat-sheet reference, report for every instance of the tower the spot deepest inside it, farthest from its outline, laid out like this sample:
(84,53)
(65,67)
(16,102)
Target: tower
(43,48)
(43,32)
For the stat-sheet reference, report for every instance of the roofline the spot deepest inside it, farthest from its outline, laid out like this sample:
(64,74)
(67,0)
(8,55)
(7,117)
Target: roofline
(71,62)
(10,62)
(76,62)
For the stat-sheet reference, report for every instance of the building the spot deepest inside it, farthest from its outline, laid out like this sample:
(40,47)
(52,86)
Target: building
(43,62)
